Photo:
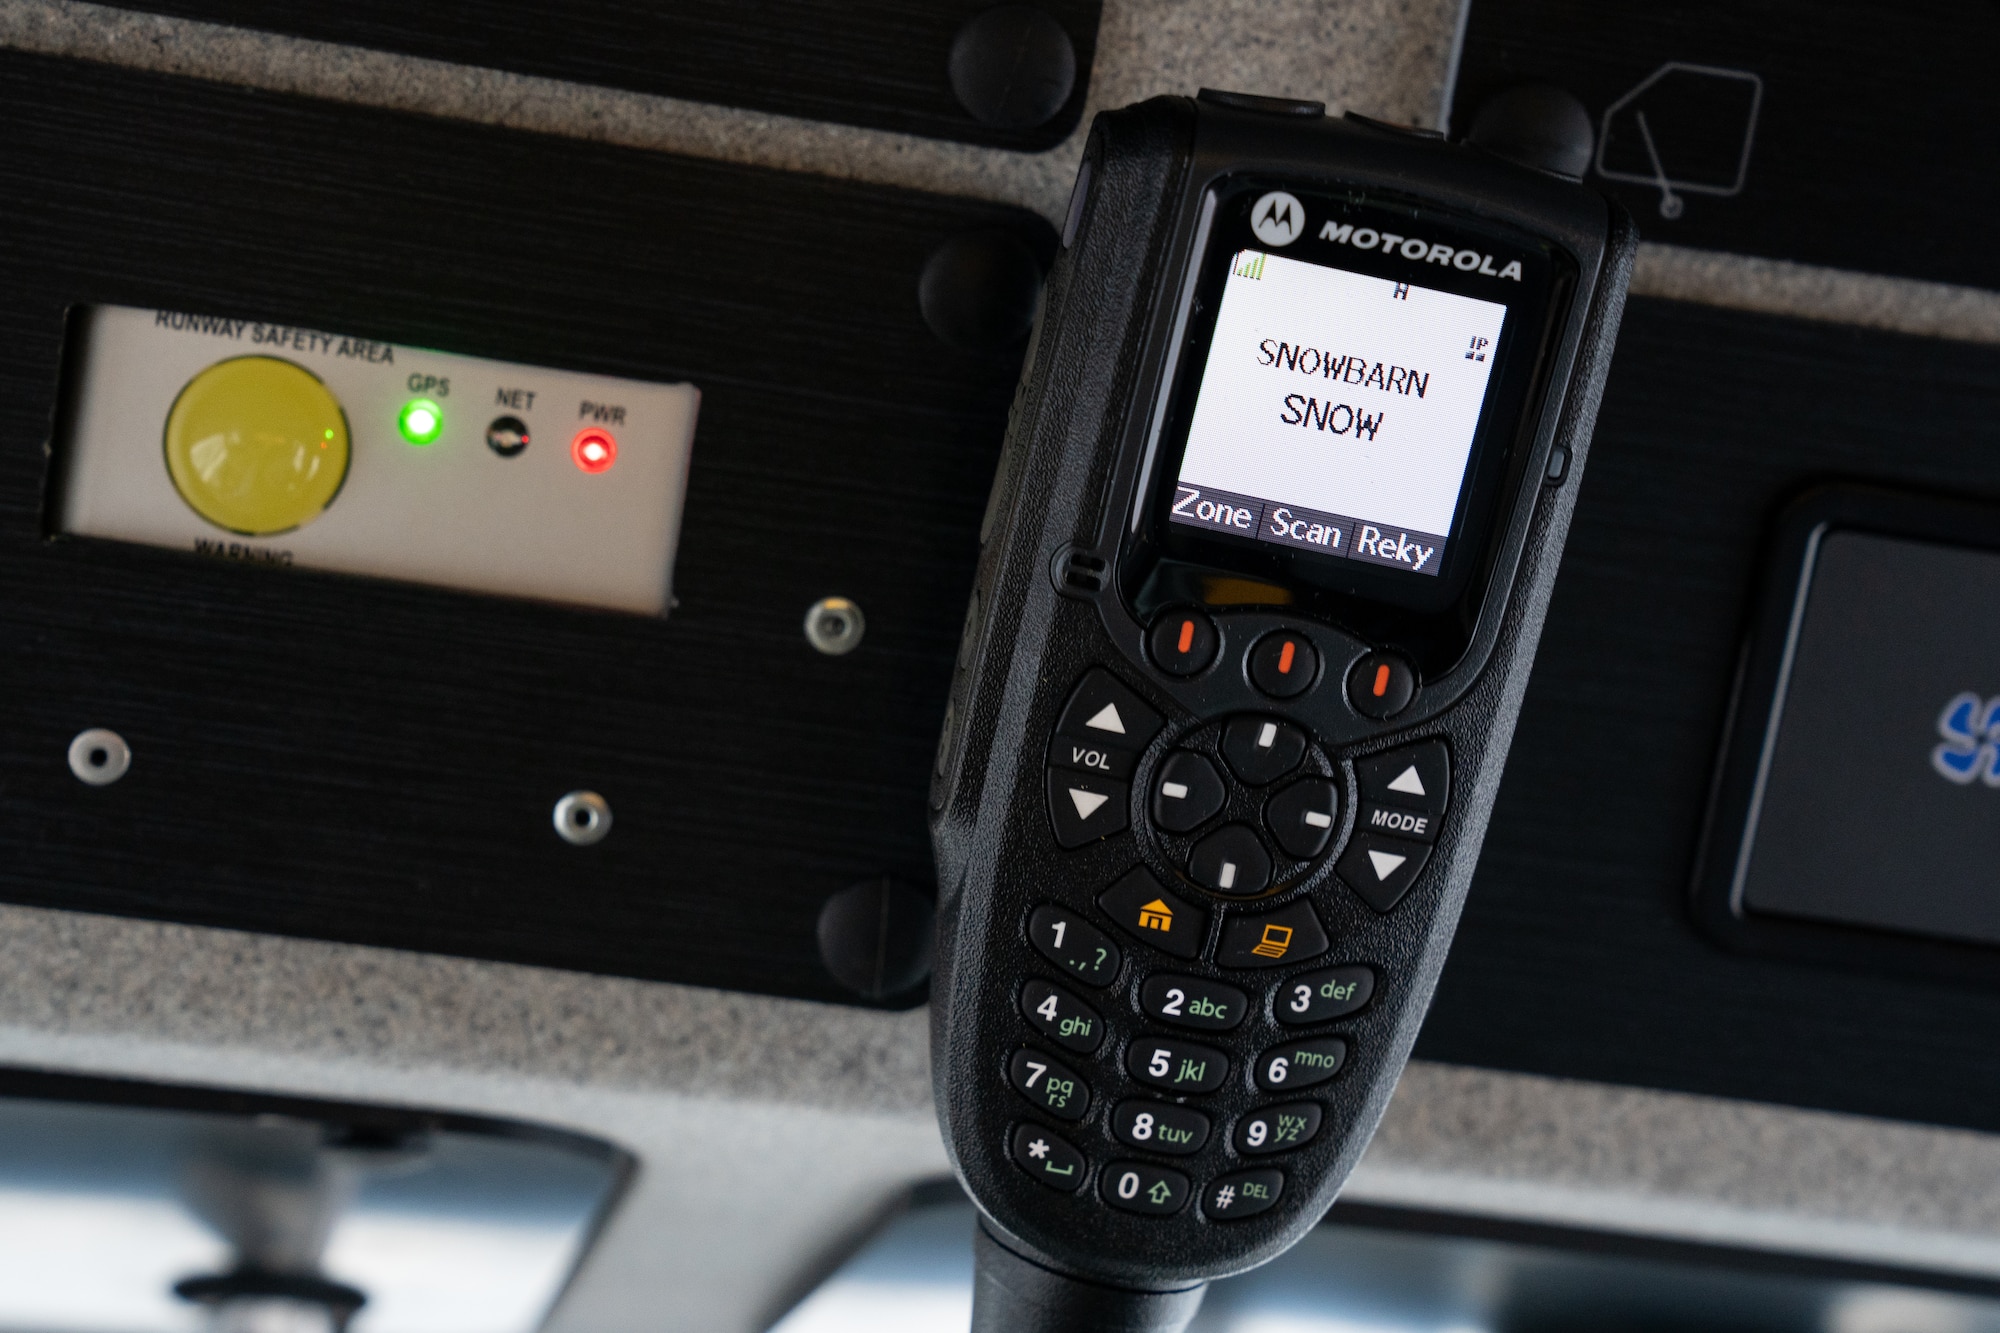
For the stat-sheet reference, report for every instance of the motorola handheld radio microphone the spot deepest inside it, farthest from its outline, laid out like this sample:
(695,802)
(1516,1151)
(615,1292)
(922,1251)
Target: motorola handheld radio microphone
(1274,530)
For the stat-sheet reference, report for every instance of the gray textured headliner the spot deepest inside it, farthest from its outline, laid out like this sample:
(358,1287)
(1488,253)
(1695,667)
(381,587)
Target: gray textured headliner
(771,1133)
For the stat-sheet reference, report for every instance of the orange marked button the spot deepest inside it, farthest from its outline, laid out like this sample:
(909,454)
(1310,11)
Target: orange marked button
(1151,914)
(1284,665)
(1381,685)
(1288,935)
(1183,641)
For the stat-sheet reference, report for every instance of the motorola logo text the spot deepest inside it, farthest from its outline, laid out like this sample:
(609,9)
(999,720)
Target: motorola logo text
(1278,219)
(1410,247)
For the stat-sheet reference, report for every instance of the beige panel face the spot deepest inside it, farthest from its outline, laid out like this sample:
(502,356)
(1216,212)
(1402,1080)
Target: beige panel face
(587,513)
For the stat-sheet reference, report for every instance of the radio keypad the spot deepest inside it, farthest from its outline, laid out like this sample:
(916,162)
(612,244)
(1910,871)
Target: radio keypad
(1178,1066)
(1075,946)
(1061,1017)
(1048,1158)
(1160,1127)
(1193,1002)
(1095,748)
(1050,1085)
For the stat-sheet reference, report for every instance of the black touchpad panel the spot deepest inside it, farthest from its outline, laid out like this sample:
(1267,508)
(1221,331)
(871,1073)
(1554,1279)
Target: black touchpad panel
(1879,803)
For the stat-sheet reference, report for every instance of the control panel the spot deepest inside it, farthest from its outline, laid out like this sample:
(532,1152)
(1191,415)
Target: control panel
(291,446)
(1246,807)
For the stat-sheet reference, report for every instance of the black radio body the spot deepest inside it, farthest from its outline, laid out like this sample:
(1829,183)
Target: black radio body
(1284,492)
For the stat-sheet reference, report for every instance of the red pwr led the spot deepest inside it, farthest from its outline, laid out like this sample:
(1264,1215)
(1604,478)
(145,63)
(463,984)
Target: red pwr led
(594,449)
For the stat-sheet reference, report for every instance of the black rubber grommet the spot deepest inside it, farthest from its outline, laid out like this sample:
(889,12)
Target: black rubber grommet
(1013,67)
(1538,125)
(875,938)
(978,290)
(339,1299)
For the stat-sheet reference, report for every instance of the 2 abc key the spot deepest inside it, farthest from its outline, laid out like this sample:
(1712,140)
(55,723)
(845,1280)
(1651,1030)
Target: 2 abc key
(1193,1002)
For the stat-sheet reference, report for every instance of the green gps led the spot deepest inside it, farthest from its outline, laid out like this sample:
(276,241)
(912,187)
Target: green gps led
(421,421)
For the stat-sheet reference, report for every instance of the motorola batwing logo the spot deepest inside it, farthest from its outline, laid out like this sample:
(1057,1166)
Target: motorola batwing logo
(1278,218)
(1971,750)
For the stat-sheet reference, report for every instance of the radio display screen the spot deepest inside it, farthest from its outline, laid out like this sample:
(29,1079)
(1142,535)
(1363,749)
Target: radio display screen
(1336,412)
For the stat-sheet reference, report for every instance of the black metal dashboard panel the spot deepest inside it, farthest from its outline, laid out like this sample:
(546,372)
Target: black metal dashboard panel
(1579,953)
(376,762)
(1837,134)
(880,63)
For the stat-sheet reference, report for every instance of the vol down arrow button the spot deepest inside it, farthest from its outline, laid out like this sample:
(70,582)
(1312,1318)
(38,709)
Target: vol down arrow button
(1083,808)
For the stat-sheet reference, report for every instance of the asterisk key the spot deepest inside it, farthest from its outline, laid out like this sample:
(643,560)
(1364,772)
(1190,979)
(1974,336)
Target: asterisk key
(1038,1149)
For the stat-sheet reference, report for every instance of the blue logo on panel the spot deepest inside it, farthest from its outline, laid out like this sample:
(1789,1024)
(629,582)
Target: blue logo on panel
(1971,750)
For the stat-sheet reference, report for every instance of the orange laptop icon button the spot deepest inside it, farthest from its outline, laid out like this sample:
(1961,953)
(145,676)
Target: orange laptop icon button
(1275,943)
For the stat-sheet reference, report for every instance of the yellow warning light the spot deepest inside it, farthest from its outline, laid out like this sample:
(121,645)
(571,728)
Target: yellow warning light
(257,445)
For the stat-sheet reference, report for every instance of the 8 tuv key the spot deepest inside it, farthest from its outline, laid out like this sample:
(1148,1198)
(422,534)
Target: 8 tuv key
(1204,825)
